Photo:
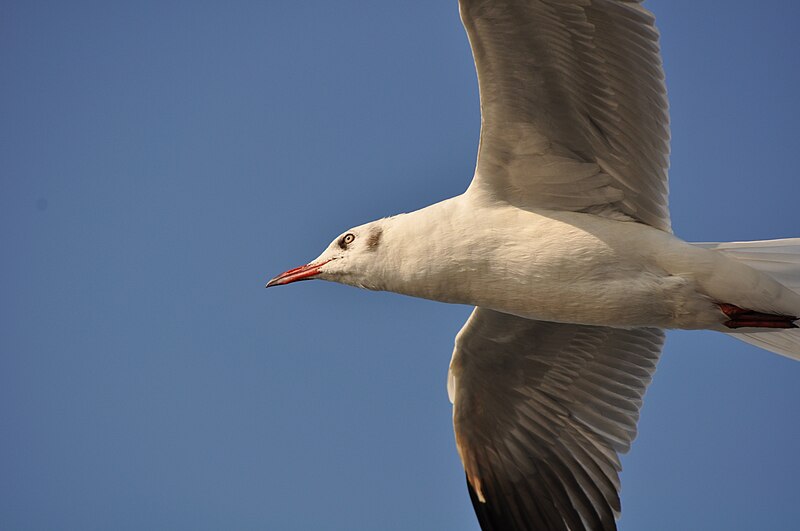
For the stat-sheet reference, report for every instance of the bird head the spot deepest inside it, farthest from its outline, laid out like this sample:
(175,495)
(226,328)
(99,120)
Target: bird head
(349,259)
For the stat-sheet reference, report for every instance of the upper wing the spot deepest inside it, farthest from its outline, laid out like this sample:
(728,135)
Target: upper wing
(573,105)
(540,411)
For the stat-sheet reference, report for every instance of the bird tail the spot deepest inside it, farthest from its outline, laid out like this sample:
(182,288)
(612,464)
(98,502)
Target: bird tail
(780,259)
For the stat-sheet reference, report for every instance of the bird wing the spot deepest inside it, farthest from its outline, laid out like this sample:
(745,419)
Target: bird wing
(541,411)
(573,106)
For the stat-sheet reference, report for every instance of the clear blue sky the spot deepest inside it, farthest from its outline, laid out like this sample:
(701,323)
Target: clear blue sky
(159,161)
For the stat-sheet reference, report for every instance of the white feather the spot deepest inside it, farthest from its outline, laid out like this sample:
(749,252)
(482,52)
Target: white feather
(780,259)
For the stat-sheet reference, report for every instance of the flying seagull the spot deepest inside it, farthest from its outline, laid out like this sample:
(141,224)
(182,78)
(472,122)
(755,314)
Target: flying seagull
(563,244)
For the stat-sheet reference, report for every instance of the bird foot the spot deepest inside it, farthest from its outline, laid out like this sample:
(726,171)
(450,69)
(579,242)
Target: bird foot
(743,318)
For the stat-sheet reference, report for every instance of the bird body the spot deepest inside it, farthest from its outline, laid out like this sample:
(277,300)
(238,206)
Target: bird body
(560,266)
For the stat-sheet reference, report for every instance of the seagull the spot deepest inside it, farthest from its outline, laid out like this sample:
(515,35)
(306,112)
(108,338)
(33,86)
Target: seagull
(563,244)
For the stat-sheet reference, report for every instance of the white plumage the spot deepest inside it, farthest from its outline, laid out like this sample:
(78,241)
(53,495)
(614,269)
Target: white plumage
(563,243)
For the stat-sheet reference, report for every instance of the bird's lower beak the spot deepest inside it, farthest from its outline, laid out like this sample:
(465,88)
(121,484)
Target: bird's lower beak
(306,272)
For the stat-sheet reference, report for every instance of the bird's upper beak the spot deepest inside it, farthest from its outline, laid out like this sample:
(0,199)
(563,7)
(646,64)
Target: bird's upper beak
(305,272)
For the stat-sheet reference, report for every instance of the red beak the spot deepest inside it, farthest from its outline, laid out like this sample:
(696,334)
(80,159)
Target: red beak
(306,272)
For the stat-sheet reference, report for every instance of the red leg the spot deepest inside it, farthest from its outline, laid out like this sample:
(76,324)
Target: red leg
(743,318)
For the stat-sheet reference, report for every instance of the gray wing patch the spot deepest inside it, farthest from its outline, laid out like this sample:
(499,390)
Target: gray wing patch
(541,412)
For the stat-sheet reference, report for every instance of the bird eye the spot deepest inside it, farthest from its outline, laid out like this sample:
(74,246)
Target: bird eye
(346,240)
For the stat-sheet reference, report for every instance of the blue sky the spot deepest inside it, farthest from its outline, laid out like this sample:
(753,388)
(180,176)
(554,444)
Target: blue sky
(159,161)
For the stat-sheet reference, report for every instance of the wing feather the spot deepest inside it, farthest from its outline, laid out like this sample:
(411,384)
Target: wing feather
(541,411)
(573,104)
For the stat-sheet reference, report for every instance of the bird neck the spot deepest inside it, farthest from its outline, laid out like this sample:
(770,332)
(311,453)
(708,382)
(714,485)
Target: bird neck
(426,253)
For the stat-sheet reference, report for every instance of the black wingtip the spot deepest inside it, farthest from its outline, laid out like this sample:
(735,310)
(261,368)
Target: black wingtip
(481,511)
